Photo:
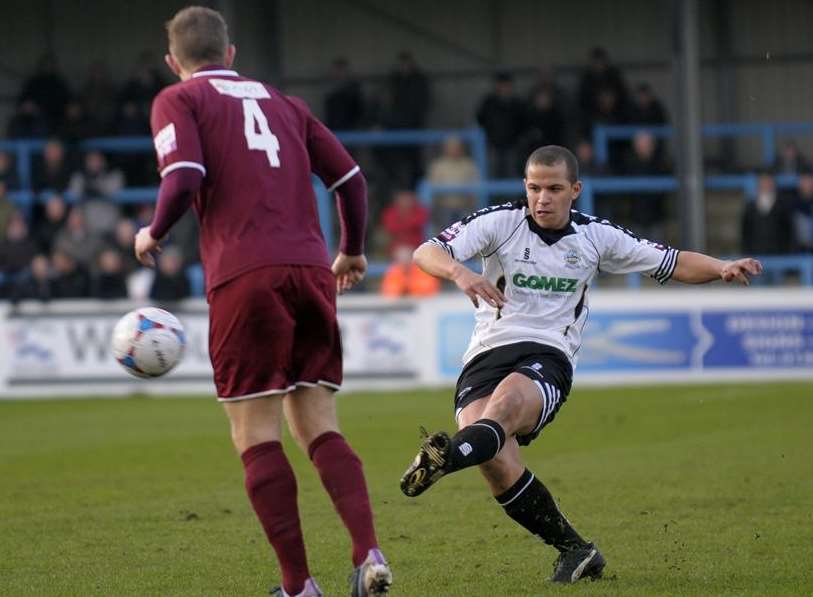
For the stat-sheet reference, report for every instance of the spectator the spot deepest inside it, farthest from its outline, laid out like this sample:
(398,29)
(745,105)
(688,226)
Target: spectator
(790,160)
(767,223)
(185,235)
(453,166)
(48,90)
(131,121)
(545,80)
(144,83)
(76,241)
(600,76)
(94,186)
(648,209)
(405,278)
(50,223)
(7,210)
(502,115)
(98,95)
(70,279)
(138,168)
(53,172)
(122,242)
(35,284)
(404,221)
(544,123)
(170,283)
(645,107)
(76,125)
(803,212)
(17,249)
(344,103)
(110,281)
(588,166)
(8,172)
(27,122)
(96,180)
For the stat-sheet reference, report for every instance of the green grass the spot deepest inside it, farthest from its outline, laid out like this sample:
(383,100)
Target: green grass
(701,490)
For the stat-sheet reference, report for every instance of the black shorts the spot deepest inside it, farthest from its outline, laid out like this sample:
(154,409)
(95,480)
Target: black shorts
(546,366)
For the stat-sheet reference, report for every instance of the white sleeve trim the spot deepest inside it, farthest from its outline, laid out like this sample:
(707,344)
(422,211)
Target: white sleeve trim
(343,179)
(177,165)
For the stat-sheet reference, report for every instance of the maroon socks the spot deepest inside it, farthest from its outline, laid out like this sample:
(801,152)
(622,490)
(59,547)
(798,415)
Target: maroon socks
(343,478)
(271,486)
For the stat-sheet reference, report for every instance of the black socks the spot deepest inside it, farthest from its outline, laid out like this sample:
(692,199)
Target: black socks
(479,442)
(530,503)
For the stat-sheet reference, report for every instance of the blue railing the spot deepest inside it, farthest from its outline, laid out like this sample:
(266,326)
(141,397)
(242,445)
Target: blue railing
(767,132)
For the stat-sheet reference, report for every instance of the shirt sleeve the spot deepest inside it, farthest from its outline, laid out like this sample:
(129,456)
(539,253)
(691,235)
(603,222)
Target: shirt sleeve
(330,161)
(622,252)
(175,134)
(471,236)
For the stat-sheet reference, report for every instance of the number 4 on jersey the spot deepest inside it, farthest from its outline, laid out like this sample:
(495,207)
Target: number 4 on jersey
(258,135)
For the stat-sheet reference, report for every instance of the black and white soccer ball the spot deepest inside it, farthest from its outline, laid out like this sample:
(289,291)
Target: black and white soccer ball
(148,342)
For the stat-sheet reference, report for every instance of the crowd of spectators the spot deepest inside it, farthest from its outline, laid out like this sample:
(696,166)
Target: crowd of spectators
(76,241)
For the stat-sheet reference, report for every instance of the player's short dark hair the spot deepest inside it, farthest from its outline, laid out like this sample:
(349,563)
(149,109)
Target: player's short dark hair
(550,155)
(198,36)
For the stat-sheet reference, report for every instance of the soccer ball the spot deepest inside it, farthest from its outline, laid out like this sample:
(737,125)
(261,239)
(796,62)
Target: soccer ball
(148,342)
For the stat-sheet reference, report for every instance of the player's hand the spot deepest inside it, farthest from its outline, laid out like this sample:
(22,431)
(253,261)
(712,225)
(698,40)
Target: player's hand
(349,271)
(476,286)
(145,246)
(741,270)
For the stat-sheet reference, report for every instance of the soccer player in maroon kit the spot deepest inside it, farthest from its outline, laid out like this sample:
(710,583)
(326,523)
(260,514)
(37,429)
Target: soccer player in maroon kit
(242,153)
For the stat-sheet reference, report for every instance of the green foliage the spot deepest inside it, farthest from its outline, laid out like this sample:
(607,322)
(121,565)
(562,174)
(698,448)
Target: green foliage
(694,490)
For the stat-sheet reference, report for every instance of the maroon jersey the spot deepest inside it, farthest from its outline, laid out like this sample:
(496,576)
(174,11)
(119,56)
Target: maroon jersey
(256,149)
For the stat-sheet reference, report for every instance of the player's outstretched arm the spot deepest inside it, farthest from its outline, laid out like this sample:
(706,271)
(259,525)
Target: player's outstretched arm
(697,268)
(437,262)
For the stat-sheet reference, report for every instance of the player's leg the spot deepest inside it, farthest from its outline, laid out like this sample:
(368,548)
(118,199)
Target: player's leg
(528,502)
(270,483)
(311,416)
(250,341)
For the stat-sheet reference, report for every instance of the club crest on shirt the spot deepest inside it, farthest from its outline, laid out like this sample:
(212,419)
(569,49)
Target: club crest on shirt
(165,141)
(451,232)
(572,258)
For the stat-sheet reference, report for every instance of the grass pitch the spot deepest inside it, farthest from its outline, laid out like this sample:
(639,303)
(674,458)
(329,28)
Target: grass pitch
(701,490)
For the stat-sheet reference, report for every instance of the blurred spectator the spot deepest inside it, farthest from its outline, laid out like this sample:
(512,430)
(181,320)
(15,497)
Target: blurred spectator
(122,242)
(600,78)
(7,209)
(546,80)
(588,166)
(144,83)
(645,108)
(131,121)
(409,94)
(453,166)
(34,284)
(110,281)
(70,277)
(8,172)
(96,179)
(790,160)
(138,168)
(610,112)
(52,172)
(17,249)
(170,282)
(76,124)
(76,241)
(502,114)
(98,95)
(344,103)
(648,209)
(803,212)
(404,221)
(47,89)
(50,223)
(27,122)
(405,278)
(767,223)
(544,123)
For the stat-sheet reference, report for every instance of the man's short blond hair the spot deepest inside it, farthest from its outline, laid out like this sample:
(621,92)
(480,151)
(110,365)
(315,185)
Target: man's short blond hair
(198,36)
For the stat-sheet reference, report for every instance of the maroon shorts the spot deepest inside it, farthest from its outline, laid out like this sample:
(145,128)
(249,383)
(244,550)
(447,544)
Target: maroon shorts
(273,329)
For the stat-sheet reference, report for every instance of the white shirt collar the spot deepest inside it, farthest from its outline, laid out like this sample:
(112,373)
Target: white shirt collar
(219,73)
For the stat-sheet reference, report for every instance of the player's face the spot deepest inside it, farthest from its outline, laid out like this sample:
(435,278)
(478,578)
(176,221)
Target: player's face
(550,194)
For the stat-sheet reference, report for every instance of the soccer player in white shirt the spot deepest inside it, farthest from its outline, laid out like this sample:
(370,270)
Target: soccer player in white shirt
(539,257)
